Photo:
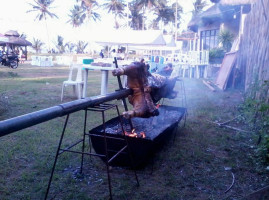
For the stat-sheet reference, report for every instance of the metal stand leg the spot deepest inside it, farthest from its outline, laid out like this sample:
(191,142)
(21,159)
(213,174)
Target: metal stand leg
(101,108)
(108,158)
(129,150)
(56,157)
(83,142)
(106,152)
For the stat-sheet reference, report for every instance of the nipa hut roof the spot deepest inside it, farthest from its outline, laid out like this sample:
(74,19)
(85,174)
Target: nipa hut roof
(14,39)
(213,11)
(12,33)
(19,41)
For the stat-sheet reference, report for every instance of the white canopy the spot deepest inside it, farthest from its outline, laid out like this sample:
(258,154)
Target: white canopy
(170,45)
(132,38)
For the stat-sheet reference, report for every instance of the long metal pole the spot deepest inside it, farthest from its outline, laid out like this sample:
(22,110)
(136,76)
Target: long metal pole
(24,121)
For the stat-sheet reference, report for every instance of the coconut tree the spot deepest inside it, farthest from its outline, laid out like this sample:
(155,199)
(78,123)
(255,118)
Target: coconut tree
(36,45)
(77,16)
(115,7)
(198,7)
(165,15)
(81,46)
(145,5)
(136,17)
(60,44)
(89,6)
(70,46)
(42,7)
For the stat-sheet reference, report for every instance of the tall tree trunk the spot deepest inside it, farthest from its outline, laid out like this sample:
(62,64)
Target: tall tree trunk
(47,34)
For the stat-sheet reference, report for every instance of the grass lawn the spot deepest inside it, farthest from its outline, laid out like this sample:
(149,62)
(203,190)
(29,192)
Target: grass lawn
(198,165)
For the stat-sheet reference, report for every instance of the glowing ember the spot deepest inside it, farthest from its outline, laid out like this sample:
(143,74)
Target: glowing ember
(134,134)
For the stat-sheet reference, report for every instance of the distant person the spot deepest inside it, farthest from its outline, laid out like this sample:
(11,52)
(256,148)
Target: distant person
(101,54)
(21,57)
(113,54)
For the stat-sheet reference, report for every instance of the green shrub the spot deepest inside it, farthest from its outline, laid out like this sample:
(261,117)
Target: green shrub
(226,39)
(216,55)
(257,115)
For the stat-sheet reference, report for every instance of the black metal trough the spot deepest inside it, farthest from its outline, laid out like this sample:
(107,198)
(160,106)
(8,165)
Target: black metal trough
(157,131)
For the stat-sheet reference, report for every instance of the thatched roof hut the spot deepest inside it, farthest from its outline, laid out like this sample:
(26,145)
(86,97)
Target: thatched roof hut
(15,39)
(220,11)
(12,33)
(211,14)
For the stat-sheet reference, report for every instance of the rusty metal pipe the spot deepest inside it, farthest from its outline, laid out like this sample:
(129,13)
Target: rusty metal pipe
(24,121)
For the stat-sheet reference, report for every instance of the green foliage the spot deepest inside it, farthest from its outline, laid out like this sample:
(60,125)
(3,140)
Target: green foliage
(198,7)
(216,55)
(76,16)
(81,46)
(256,113)
(226,39)
(42,7)
(37,44)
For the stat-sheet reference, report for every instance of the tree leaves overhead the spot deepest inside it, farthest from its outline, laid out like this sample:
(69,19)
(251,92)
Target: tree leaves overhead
(42,7)
(77,16)
(37,44)
(90,7)
(198,7)
(115,7)
(81,46)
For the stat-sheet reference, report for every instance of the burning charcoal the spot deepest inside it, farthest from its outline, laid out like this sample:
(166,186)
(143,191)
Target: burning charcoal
(143,140)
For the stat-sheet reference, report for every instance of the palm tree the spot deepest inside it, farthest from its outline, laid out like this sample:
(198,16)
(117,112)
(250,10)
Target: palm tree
(198,7)
(43,7)
(81,46)
(77,16)
(36,45)
(70,46)
(115,7)
(89,6)
(147,5)
(136,18)
(165,15)
(60,44)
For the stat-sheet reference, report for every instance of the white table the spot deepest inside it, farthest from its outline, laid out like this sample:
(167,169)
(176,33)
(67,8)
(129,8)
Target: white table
(104,82)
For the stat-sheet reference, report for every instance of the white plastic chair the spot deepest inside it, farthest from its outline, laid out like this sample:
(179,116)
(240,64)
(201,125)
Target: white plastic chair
(42,61)
(49,61)
(59,60)
(35,60)
(77,83)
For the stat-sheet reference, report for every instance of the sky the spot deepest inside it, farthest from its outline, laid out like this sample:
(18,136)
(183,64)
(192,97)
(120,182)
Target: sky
(13,16)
